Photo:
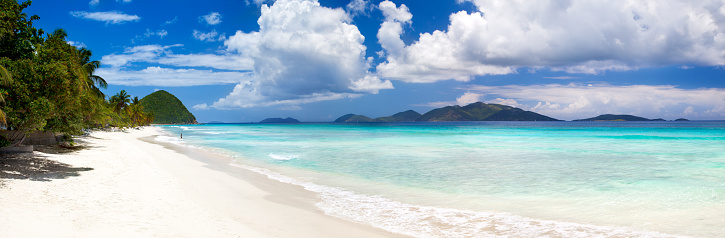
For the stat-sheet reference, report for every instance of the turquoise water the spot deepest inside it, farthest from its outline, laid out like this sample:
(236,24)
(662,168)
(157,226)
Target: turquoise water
(579,179)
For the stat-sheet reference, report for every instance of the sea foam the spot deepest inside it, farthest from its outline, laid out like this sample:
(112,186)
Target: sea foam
(428,221)
(282,157)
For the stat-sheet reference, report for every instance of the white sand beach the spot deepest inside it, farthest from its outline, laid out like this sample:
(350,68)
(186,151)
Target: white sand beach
(122,186)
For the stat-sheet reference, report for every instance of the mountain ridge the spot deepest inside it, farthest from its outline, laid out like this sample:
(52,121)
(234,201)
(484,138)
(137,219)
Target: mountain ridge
(477,111)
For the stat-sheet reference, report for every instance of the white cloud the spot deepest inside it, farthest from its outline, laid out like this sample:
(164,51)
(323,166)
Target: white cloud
(393,13)
(468,98)
(112,17)
(562,77)
(212,18)
(202,106)
(77,44)
(161,33)
(303,53)
(507,102)
(370,84)
(209,36)
(163,55)
(172,21)
(575,101)
(390,30)
(220,68)
(572,36)
(358,7)
(158,76)
(93,2)
(258,2)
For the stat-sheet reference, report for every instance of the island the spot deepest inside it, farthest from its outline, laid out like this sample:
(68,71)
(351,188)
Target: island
(478,111)
(612,117)
(280,120)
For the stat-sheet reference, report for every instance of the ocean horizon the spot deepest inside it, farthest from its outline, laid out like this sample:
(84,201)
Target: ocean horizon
(481,179)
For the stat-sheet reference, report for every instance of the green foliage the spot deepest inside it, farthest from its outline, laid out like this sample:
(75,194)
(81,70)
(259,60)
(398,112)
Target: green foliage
(18,37)
(166,108)
(4,141)
(46,84)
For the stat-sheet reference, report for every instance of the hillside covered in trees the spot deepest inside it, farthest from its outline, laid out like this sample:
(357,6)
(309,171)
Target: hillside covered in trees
(166,108)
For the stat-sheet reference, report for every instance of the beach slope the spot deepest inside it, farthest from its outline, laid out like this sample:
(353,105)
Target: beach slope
(122,185)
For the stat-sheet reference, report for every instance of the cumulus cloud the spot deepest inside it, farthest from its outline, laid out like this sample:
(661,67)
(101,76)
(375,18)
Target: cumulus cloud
(212,18)
(209,36)
(575,101)
(571,36)
(390,30)
(302,53)
(111,17)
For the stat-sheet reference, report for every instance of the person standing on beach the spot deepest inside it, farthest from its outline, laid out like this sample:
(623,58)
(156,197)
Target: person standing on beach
(182,135)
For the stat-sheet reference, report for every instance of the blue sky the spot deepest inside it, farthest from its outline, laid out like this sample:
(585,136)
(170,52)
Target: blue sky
(243,61)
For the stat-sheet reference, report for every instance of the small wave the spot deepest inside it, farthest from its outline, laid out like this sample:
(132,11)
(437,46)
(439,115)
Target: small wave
(427,221)
(282,157)
(168,139)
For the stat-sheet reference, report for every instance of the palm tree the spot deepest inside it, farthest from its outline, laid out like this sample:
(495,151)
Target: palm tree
(5,79)
(135,110)
(149,118)
(120,101)
(90,66)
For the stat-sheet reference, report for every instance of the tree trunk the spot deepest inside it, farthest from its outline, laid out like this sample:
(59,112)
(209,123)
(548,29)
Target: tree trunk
(15,136)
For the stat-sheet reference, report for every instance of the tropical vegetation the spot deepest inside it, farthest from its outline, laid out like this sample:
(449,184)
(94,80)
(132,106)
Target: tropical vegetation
(46,84)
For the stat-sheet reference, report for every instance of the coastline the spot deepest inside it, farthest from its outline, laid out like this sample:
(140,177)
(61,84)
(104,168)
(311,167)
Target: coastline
(125,184)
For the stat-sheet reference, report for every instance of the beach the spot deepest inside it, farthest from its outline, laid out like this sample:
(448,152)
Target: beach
(122,185)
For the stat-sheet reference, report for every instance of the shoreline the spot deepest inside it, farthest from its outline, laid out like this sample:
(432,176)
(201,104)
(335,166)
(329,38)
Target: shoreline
(127,184)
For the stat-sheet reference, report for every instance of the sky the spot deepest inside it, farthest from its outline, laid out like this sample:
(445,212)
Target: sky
(316,60)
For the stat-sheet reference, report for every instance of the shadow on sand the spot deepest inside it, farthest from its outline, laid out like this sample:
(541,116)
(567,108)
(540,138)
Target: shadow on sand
(36,167)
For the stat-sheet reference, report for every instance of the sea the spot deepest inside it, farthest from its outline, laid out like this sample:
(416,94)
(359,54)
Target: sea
(493,179)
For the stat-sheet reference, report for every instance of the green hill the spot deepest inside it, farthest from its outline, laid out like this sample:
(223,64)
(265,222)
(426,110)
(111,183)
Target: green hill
(353,118)
(482,112)
(408,115)
(167,109)
(611,117)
